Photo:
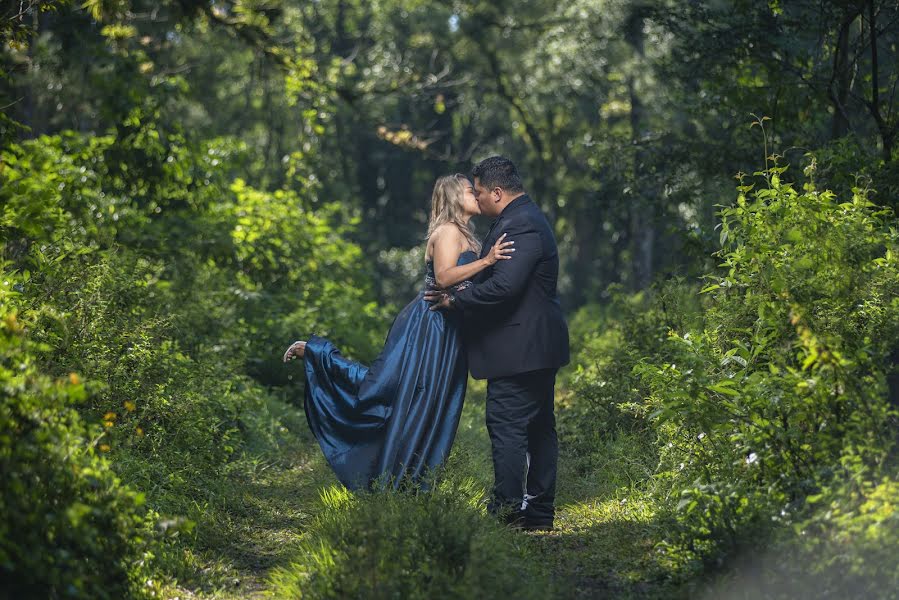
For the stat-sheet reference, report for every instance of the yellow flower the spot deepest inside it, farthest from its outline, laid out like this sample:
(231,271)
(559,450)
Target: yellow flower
(74,379)
(12,324)
(104,447)
(130,406)
(139,432)
(110,416)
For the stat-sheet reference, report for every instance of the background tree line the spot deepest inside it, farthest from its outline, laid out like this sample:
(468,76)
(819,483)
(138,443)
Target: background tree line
(187,185)
(628,118)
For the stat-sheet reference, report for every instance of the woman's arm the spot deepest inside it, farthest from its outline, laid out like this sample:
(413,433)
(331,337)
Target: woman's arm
(446,254)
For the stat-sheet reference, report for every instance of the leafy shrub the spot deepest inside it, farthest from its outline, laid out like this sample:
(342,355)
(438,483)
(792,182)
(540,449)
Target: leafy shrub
(783,394)
(608,342)
(401,545)
(845,549)
(298,276)
(852,539)
(69,527)
(847,163)
(172,291)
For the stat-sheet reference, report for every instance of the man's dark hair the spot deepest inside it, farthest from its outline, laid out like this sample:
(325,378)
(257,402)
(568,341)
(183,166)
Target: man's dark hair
(498,171)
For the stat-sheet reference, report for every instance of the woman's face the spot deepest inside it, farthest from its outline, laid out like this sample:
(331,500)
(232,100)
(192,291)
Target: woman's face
(469,202)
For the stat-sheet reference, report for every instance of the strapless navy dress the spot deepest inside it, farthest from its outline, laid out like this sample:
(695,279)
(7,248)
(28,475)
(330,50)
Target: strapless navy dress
(391,423)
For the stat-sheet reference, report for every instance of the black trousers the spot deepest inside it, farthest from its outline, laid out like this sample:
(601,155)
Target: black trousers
(522,427)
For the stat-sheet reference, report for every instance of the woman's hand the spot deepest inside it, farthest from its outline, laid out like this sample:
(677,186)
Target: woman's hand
(501,251)
(296,350)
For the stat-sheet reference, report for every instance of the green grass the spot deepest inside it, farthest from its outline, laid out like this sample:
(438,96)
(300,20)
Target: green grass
(253,520)
(282,525)
(606,526)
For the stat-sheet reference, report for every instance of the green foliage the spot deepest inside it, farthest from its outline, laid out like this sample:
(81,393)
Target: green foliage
(407,545)
(201,218)
(783,393)
(299,276)
(173,300)
(846,549)
(852,538)
(608,342)
(70,528)
(765,397)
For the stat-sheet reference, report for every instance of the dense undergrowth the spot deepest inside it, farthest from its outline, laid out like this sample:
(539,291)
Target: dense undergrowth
(148,446)
(144,315)
(766,395)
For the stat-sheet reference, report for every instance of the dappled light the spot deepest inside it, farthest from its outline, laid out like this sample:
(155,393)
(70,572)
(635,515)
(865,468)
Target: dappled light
(706,193)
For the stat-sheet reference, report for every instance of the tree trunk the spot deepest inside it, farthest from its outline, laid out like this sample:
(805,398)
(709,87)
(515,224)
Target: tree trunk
(642,226)
(886,130)
(31,92)
(842,77)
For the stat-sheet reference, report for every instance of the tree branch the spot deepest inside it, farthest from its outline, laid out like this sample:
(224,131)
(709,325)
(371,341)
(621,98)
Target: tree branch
(504,93)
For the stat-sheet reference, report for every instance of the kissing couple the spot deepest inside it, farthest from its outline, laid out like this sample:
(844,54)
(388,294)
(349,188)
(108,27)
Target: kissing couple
(492,307)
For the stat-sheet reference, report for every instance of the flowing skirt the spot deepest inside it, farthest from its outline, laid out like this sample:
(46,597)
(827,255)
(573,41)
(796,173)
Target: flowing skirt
(394,421)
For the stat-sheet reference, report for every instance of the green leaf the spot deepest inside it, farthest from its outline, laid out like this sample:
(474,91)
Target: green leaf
(725,388)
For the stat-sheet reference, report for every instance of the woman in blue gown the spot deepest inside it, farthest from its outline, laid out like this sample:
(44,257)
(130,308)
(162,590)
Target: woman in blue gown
(393,422)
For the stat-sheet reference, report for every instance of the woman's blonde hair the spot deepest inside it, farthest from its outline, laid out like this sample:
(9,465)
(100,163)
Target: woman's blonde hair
(446,207)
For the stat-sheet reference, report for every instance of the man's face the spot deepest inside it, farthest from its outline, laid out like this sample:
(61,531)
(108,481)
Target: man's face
(486,198)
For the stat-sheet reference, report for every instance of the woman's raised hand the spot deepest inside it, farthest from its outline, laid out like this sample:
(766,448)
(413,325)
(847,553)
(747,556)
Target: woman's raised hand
(501,251)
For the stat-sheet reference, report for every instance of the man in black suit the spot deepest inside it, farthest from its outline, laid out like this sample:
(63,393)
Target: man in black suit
(517,339)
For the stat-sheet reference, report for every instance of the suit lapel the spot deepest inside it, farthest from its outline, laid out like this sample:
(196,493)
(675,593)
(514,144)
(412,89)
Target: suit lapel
(489,238)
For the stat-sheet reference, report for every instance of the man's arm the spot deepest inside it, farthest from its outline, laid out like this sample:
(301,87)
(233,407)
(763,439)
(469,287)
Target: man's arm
(509,277)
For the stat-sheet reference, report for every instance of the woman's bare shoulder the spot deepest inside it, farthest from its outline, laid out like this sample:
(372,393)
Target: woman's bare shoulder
(447,230)
(446,235)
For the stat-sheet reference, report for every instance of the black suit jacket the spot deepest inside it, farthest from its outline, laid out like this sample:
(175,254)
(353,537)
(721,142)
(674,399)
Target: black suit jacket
(513,319)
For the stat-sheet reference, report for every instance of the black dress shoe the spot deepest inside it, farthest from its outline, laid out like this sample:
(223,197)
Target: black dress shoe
(514,518)
(532,526)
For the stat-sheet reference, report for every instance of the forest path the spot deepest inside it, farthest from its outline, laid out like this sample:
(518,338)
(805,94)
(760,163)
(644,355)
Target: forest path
(278,504)
(603,543)
(258,526)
